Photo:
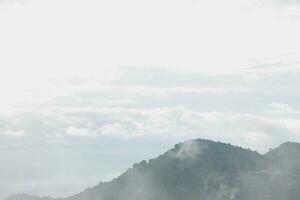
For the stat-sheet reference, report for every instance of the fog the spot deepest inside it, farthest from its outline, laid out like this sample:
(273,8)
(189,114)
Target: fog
(89,88)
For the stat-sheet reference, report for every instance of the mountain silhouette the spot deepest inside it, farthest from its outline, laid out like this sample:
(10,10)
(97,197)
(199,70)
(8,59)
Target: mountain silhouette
(203,170)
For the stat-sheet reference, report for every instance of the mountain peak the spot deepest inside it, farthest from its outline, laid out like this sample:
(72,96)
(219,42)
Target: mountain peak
(204,147)
(285,157)
(290,145)
(286,148)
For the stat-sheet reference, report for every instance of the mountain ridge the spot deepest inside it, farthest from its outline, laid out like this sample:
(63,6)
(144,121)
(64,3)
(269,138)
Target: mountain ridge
(196,169)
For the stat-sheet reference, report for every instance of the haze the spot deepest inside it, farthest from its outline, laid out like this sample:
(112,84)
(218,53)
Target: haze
(90,87)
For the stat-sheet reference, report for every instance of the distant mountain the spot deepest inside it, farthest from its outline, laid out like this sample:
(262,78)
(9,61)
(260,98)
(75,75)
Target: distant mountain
(286,157)
(204,170)
(27,197)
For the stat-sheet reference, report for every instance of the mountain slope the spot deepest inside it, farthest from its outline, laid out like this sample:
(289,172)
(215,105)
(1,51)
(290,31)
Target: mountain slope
(206,170)
(286,157)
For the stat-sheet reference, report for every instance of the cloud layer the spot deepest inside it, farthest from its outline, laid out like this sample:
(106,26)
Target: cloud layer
(97,86)
(83,128)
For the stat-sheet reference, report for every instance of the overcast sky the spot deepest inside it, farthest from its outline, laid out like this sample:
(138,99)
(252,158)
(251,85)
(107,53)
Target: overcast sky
(90,87)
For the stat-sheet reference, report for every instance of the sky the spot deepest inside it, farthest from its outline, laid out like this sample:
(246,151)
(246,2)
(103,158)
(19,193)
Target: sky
(90,87)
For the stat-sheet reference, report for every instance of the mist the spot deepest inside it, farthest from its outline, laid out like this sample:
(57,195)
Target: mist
(88,88)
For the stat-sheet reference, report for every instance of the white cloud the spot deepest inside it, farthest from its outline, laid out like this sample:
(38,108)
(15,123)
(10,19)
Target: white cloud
(17,133)
(253,131)
(189,149)
(79,131)
(285,2)
(282,108)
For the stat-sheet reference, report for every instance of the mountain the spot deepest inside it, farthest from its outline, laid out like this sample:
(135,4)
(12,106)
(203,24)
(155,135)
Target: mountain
(27,197)
(285,157)
(204,170)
